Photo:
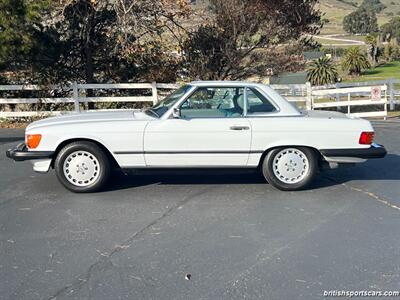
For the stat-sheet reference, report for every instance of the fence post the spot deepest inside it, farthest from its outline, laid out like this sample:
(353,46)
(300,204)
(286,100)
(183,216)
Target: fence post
(337,96)
(391,94)
(386,100)
(348,100)
(309,105)
(154,92)
(75,95)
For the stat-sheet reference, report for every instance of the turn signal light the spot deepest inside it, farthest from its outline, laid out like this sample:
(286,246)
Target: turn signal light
(366,138)
(33,140)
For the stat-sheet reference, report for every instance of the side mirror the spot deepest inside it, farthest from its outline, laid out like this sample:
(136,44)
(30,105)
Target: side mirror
(176,114)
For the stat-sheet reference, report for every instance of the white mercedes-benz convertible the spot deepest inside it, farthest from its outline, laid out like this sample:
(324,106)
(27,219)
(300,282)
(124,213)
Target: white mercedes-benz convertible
(200,125)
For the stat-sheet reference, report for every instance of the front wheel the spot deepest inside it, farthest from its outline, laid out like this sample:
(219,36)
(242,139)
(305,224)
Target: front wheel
(82,167)
(290,168)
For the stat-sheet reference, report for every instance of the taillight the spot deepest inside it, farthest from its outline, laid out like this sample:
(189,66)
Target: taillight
(33,140)
(366,138)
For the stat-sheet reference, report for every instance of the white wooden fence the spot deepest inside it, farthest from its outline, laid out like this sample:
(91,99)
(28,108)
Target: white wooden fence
(363,95)
(295,92)
(303,95)
(78,95)
(355,94)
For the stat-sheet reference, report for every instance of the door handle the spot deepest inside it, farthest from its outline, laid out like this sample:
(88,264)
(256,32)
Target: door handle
(239,128)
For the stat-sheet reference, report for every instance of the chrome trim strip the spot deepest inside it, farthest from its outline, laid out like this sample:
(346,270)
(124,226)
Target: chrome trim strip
(187,152)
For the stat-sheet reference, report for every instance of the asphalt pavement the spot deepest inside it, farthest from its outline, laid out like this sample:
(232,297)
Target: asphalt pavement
(203,235)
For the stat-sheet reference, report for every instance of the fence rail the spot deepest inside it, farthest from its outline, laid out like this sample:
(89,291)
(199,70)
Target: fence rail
(312,97)
(78,94)
(356,94)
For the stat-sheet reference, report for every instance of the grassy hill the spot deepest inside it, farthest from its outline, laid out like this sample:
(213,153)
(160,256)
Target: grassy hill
(336,10)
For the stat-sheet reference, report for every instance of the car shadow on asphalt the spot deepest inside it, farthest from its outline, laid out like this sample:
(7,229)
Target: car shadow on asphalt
(380,169)
(374,170)
(128,180)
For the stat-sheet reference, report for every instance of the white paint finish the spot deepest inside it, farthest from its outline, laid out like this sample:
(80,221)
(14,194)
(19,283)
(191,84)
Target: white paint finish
(197,135)
(41,165)
(35,100)
(196,160)
(130,160)
(346,90)
(371,114)
(20,114)
(83,118)
(141,138)
(344,159)
(254,159)
(115,86)
(320,132)
(351,103)
(117,131)
(116,99)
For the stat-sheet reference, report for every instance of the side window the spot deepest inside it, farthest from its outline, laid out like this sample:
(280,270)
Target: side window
(258,103)
(207,102)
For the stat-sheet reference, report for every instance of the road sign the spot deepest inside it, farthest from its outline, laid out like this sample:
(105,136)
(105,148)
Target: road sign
(376,93)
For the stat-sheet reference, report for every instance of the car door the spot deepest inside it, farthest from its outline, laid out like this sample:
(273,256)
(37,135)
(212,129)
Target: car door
(211,131)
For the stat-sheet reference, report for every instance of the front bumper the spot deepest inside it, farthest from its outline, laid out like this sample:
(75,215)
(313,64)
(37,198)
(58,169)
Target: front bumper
(21,153)
(375,151)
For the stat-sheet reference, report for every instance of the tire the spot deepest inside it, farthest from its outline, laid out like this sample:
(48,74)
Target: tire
(290,168)
(82,167)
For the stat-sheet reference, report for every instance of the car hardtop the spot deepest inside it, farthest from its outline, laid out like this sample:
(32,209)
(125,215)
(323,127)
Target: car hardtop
(220,83)
(284,108)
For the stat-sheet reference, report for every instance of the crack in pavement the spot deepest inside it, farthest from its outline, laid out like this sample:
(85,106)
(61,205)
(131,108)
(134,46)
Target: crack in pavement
(365,192)
(265,257)
(105,259)
(261,257)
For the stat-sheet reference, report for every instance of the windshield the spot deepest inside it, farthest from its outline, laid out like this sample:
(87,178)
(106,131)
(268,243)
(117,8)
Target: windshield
(163,106)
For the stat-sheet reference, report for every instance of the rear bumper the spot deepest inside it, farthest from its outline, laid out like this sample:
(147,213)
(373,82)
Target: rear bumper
(21,153)
(375,151)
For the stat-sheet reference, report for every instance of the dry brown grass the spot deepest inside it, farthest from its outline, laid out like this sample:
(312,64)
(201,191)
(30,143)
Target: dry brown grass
(18,122)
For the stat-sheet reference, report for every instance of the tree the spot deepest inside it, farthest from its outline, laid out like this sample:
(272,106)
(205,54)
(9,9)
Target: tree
(88,49)
(245,38)
(149,36)
(20,27)
(139,40)
(322,71)
(361,21)
(354,61)
(372,48)
(391,30)
(145,22)
(391,52)
(90,40)
(375,5)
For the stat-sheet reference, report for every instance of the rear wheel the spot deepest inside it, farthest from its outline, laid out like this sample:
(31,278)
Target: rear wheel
(291,168)
(82,167)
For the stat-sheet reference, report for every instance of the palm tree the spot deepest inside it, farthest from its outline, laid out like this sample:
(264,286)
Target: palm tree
(322,71)
(354,61)
(372,49)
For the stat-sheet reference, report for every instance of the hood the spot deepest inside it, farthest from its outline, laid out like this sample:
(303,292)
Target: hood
(90,117)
